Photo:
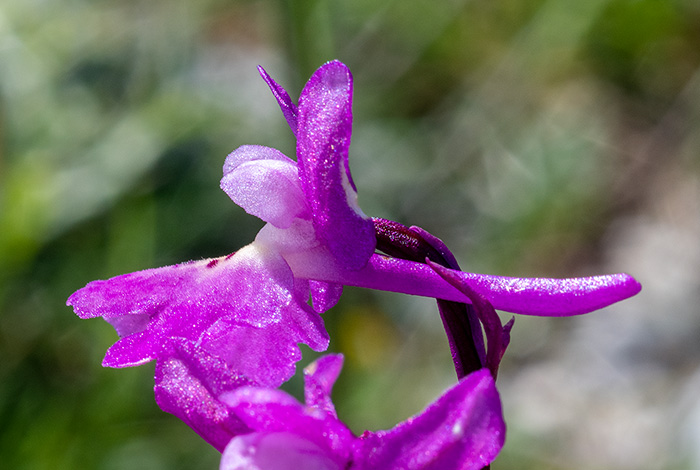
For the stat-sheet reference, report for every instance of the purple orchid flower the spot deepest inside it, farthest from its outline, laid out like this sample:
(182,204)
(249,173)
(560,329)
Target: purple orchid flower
(249,309)
(224,332)
(260,428)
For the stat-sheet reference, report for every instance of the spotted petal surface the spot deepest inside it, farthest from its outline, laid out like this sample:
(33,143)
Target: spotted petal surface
(242,308)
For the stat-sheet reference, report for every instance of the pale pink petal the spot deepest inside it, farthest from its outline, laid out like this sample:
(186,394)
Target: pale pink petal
(265,185)
(299,237)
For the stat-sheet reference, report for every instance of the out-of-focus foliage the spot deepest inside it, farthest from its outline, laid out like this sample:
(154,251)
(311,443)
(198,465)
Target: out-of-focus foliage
(541,137)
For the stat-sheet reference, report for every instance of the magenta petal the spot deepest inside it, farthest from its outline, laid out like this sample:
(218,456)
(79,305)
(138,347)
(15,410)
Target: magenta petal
(324,295)
(188,382)
(267,355)
(319,378)
(323,140)
(135,350)
(270,411)
(463,429)
(276,451)
(204,290)
(288,108)
(241,308)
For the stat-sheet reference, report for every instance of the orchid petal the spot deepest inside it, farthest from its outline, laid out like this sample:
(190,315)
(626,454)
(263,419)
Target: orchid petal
(463,429)
(270,411)
(226,305)
(251,153)
(323,140)
(324,295)
(188,382)
(266,355)
(289,109)
(205,289)
(265,183)
(276,451)
(319,378)
(527,296)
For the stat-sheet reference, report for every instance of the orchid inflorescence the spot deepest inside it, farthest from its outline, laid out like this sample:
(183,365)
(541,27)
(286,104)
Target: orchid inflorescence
(224,332)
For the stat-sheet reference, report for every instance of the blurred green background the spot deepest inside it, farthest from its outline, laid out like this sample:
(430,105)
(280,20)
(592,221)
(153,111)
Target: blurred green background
(536,138)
